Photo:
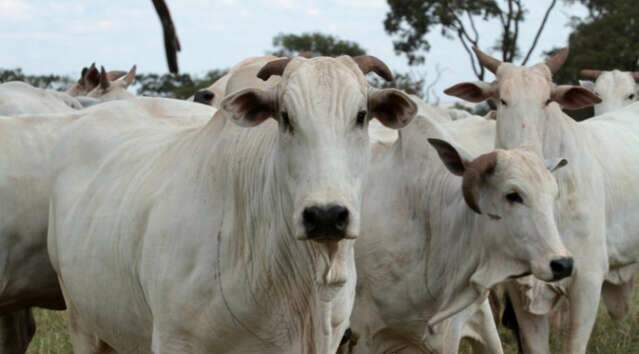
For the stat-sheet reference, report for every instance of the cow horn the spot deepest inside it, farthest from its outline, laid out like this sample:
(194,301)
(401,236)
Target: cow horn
(368,63)
(590,74)
(275,67)
(558,59)
(104,79)
(487,61)
(475,172)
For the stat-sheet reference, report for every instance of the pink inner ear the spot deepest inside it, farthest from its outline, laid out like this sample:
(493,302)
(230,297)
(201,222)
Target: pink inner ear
(393,111)
(467,91)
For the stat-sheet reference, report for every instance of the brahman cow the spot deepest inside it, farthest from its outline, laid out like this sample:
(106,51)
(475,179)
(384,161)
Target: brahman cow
(236,237)
(18,97)
(598,189)
(27,141)
(615,88)
(109,90)
(90,79)
(435,243)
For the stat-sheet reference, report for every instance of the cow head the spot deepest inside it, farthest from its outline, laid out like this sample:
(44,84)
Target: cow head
(89,79)
(109,89)
(322,106)
(517,191)
(525,96)
(616,89)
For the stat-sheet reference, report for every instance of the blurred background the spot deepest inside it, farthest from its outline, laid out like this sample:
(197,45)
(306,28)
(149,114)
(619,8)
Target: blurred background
(425,42)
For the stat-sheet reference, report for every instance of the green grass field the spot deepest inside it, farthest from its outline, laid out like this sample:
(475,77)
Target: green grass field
(608,337)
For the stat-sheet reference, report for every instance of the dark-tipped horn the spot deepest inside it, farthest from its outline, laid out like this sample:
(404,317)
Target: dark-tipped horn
(275,67)
(487,61)
(368,63)
(558,59)
(590,74)
(104,79)
(475,171)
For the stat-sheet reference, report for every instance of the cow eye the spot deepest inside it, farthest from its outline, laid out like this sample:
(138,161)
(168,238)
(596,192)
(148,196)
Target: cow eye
(361,119)
(514,197)
(503,102)
(286,122)
(548,101)
(631,96)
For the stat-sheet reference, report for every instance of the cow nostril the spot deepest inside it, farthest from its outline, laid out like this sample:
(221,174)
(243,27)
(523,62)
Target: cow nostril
(204,97)
(341,216)
(326,223)
(561,268)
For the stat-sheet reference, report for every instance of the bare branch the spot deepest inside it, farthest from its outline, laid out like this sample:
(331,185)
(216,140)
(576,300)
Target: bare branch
(515,36)
(478,69)
(430,88)
(505,45)
(472,25)
(171,42)
(541,28)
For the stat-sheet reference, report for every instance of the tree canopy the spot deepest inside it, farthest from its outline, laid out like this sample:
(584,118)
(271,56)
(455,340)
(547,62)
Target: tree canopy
(314,44)
(411,21)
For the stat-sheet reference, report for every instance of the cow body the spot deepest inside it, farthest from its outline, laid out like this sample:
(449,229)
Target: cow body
(426,265)
(21,98)
(192,240)
(597,189)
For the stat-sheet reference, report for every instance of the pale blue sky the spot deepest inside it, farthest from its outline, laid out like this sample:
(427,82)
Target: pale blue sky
(46,36)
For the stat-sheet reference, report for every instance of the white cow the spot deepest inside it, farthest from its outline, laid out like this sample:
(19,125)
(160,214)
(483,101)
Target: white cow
(27,141)
(616,89)
(221,238)
(435,243)
(598,189)
(109,90)
(90,79)
(18,97)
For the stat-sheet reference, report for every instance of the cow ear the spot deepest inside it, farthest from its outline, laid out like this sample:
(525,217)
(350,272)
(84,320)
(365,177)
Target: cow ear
(92,77)
(450,156)
(472,91)
(574,97)
(249,107)
(392,107)
(130,76)
(554,164)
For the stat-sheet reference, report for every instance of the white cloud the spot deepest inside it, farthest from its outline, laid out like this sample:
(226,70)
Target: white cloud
(312,11)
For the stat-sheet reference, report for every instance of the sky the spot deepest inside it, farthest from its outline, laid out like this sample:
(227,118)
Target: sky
(62,36)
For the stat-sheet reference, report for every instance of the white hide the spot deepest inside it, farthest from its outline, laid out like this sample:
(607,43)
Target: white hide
(427,256)
(172,240)
(21,98)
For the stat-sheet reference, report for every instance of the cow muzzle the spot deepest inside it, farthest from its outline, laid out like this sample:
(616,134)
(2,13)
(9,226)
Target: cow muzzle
(326,223)
(561,268)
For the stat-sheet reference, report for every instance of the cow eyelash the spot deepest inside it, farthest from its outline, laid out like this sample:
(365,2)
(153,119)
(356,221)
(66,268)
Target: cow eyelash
(548,101)
(503,102)
(631,96)
(514,197)
(361,119)
(286,122)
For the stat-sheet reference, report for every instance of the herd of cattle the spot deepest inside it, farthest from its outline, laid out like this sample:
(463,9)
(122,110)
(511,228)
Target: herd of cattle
(300,210)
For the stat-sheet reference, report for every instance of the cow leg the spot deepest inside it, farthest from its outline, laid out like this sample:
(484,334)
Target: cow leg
(584,295)
(16,331)
(618,298)
(82,341)
(534,330)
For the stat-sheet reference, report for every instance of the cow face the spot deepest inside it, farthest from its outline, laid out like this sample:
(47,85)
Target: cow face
(616,89)
(516,192)
(322,106)
(109,90)
(525,96)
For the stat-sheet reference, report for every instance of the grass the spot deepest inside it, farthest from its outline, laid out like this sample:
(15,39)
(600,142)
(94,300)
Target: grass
(608,337)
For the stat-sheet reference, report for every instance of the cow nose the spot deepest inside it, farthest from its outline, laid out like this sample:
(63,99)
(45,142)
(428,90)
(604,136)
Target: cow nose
(561,268)
(325,223)
(204,96)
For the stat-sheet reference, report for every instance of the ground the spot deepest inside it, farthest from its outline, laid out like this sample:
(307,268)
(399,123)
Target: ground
(608,338)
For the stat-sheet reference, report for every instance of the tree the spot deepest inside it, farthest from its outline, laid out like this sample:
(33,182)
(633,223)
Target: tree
(410,21)
(177,86)
(54,82)
(314,44)
(603,41)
